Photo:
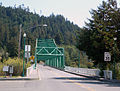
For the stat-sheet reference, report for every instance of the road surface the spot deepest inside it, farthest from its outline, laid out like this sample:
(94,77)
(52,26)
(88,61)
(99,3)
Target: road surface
(51,79)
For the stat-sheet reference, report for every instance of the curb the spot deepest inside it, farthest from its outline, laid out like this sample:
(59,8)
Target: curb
(22,78)
(18,79)
(95,77)
(91,77)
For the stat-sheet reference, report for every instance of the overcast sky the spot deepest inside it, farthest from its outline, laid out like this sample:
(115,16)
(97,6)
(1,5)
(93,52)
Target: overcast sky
(77,11)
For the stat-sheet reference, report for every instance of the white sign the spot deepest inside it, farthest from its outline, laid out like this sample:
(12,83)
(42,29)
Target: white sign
(11,69)
(107,56)
(27,48)
(5,68)
(27,54)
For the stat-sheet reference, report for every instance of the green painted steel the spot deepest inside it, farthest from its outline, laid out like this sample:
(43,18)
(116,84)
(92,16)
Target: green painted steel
(47,50)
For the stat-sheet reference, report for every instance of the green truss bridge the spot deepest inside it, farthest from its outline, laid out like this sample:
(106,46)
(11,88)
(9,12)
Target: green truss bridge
(47,50)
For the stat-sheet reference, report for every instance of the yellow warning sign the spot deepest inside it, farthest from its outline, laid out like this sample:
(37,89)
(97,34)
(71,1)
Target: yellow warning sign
(32,57)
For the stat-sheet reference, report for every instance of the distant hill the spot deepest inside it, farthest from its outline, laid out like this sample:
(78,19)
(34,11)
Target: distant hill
(58,28)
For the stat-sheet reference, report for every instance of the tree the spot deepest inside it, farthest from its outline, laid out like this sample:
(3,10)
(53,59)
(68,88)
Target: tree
(12,47)
(11,17)
(59,38)
(98,35)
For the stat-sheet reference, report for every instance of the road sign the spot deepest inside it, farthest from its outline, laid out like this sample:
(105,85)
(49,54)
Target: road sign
(27,55)
(11,69)
(27,48)
(32,57)
(5,68)
(107,56)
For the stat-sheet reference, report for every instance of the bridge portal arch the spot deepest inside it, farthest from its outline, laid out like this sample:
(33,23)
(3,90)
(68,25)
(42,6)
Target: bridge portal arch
(47,50)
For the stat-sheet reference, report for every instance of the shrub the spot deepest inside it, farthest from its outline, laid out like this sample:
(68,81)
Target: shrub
(117,71)
(89,64)
(17,66)
(1,69)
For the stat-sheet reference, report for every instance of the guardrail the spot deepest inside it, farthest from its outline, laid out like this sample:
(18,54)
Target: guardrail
(83,71)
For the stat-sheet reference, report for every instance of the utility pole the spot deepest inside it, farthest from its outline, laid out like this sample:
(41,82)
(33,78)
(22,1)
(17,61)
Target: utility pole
(19,46)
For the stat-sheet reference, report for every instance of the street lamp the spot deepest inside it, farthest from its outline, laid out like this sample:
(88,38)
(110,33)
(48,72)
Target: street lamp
(115,39)
(114,57)
(44,25)
(24,35)
(19,46)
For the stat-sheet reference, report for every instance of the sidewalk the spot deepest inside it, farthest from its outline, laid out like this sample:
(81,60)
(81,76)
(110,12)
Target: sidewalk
(34,75)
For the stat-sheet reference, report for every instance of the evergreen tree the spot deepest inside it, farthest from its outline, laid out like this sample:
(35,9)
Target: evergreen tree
(98,35)
(11,18)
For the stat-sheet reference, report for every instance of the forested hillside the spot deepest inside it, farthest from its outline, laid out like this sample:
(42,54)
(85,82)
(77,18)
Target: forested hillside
(58,28)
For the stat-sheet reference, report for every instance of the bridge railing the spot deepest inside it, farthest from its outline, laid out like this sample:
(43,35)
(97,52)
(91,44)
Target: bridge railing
(83,71)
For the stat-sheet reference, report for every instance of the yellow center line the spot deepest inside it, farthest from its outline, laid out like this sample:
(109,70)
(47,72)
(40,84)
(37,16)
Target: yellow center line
(81,85)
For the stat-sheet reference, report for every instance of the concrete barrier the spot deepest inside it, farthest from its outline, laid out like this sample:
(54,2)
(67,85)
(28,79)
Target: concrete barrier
(83,71)
(29,70)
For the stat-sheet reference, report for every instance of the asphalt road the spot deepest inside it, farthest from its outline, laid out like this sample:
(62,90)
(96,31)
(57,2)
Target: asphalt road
(54,80)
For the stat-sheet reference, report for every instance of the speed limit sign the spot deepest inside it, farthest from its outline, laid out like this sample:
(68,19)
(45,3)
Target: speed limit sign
(107,56)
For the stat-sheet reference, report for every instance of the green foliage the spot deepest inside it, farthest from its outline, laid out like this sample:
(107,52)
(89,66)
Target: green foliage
(28,64)
(58,28)
(17,66)
(98,35)
(90,64)
(83,66)
(1,69)
(71,53)
(67,58)
(72,57)
(12,47)
(3,54)
(117,71)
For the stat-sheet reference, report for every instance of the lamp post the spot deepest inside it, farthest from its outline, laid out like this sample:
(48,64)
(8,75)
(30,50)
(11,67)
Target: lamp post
(114,57)
(24,35)
(19,46)
(44,25)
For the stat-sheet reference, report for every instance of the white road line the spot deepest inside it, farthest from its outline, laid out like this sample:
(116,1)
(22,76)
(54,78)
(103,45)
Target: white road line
(38,74)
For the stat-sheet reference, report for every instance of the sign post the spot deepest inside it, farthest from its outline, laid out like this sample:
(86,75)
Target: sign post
(27,52)
(5,69)
(32,58)
(107,56)
(11,70)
